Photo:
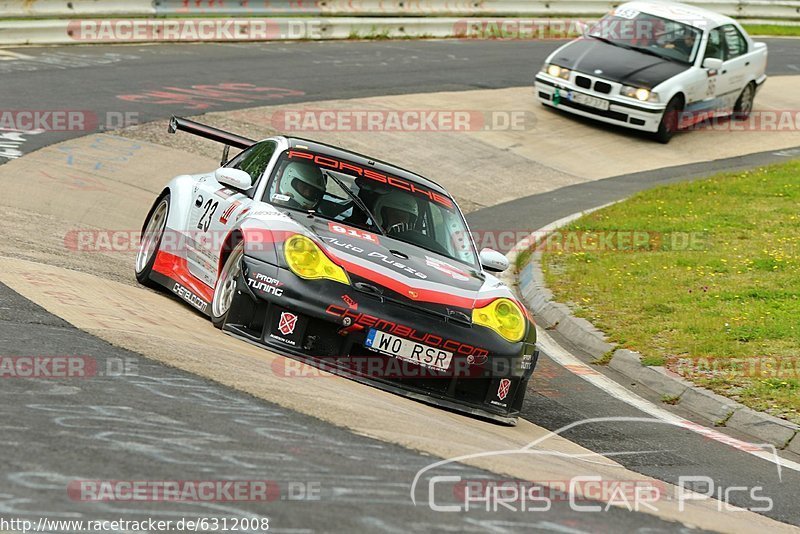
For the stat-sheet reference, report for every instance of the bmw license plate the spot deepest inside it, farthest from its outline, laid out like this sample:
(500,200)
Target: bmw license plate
(588,100)
(408,350)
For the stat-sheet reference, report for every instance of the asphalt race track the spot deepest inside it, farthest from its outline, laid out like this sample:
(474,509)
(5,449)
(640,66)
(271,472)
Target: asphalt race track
(162,423)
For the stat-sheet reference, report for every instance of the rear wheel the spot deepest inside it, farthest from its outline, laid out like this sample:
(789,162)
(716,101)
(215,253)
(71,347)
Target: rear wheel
(669,121)
(744,106)
(151,242)
(226,285)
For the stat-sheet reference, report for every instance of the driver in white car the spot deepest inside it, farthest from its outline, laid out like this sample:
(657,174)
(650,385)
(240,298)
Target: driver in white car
(396,212)
(303,185)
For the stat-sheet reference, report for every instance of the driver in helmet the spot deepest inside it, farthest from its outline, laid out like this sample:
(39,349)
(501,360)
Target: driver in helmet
(396,212)
(304,184)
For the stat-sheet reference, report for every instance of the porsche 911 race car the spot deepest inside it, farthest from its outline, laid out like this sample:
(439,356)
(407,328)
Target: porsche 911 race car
(656,67)
(347,263)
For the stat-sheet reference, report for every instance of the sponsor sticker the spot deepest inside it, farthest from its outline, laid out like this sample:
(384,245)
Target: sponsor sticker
(502,389)
(287,323)
(229,211)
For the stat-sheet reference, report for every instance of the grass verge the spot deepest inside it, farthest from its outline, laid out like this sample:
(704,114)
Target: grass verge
(773,30)
(703,277)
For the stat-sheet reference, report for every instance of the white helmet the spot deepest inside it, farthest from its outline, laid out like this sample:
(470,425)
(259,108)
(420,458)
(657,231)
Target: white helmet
(396,211)
(304,183)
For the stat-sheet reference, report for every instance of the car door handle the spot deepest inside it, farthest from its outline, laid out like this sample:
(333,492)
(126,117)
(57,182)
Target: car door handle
(724,72)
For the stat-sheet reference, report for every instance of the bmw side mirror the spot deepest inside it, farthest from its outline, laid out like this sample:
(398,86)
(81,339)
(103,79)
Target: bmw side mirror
(712,63)
(235,178)
(493,261)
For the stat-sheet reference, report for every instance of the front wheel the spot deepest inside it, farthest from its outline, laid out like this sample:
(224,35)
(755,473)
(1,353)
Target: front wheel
(744,106)
(151,242)
(226,285)
(669,121)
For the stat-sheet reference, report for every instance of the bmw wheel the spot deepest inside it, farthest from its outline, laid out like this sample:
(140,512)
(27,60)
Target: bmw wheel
(669,121)
(744,106)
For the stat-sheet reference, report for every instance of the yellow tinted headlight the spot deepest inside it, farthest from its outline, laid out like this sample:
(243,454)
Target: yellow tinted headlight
(504,317)
(307,260)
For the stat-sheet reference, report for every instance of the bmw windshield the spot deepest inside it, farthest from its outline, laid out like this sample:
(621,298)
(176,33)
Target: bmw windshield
(347,192)
(669,39)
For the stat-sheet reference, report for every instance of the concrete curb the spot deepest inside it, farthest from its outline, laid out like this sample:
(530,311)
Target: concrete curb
(721,411)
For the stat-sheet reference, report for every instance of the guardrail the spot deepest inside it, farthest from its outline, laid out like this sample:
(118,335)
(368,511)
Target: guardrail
(767,9)
(140,21)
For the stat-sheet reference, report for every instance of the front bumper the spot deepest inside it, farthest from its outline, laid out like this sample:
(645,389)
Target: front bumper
(325,324)
(622,112)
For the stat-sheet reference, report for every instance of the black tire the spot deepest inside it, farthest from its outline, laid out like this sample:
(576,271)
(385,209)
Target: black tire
(153,232)
(225,289)
(669,121)
(744,105)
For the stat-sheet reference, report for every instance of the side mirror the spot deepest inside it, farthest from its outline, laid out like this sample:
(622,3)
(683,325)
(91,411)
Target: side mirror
(493,261)
(235,178)
(712,63)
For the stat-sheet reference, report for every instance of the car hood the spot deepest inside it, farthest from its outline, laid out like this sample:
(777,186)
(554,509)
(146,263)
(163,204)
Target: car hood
(617,64)
(401,271)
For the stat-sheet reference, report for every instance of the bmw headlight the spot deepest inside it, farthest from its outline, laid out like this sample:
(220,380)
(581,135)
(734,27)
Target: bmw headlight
(307,260)
(504,317)
(639,93)
(557,72)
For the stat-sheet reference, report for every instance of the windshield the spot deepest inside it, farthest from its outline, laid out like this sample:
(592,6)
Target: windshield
(650,34)
(404,210)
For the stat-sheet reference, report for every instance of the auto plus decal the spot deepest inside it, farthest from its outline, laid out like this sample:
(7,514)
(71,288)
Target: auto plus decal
(343,245)
(380,256)
(397,265)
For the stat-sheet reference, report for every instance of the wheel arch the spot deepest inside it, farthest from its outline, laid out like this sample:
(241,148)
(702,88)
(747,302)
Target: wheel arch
(681,96)
(231,240)
(158,199)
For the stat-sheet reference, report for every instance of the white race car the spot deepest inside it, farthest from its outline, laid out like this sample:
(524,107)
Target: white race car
(656,67)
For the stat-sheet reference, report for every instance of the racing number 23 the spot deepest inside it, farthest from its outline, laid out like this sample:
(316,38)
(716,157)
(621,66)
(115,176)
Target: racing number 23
(208,212)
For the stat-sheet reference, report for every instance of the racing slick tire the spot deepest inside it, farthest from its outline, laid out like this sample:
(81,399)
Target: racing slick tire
(744,105)
(151,241)
(669,121)
(225,289)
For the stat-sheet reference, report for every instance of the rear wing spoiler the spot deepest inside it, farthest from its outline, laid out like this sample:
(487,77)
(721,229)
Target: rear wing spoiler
(212,134)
